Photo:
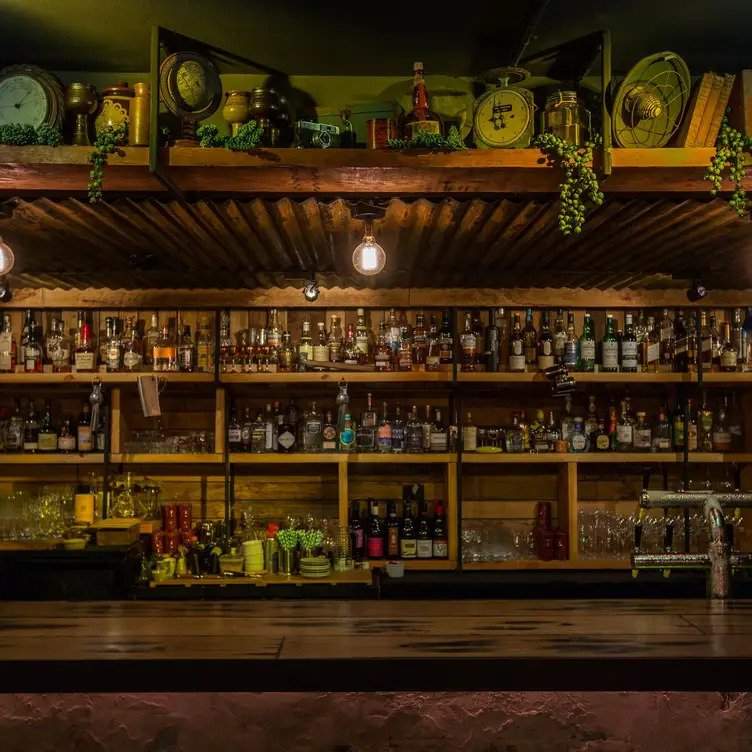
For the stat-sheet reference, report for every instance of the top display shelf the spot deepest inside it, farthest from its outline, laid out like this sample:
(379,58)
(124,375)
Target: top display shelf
(65,169)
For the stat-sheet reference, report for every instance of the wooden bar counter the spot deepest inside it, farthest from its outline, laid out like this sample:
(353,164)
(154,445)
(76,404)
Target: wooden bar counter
(374,646)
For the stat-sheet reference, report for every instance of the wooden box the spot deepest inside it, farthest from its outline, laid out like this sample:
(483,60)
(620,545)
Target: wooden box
(117,532)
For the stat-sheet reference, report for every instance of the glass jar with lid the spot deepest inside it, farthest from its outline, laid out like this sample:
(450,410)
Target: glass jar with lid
(566,117)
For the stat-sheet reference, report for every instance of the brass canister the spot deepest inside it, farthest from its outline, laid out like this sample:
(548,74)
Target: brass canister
(566,117)
(138,130)
(116,107)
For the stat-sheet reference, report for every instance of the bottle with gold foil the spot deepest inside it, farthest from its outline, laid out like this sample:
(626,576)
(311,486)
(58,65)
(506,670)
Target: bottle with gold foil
(138,129)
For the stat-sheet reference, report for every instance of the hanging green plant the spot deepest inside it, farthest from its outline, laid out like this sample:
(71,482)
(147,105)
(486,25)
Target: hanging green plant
(580,181)
(108,141)
(248,137)
(432,141)
(17,134)
(730,151)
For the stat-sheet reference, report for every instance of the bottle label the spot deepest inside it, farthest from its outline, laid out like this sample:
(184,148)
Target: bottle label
(286,440)
(245,435)
(438,441)
(653,352)
(347,438)
(113,358)
(83,508)
(610,354)
(662,444)
(321,354)
(446,347)
(84,361)
(6,352)
(47,442)
(642,438)
(570,354)
(624,435)
(440,549)
(707,344)
(546,348)
(587,349)
(84,438)
(579,442)
(30,446)
(667,332)
(382,361)
(516,348)
(516,362)
(66,443)
(424,549)
(234,435)
(408,548)
(384,438)
(602,444)
(202,356)
(375,548)
(131,359)
(680,346)
(358,539)
(728,359)
(392,542)
(692,437)
(545,361)
(629,355)
(722,441)
(469,438)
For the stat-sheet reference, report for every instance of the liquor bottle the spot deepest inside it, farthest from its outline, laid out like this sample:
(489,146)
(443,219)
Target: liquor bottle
(414,433)
(393,333)
(47,437)
(468,345)
(567,423)
(321,345)
(132,352)
(610,346)
(706,342)
(407,533)
(287,430)
(740,339)
(347,435)
(357,533)
(384,432)
(186,352)
(524,430)
(226,345)
(234,432)
(419,342)
(545,344)
(446,342)
(469,435)
(560,336)
(329,434)
(599,439)
(84,439)
(693,343)
(642,436)
(722,440)
(553,435)
(66,440)
(398,432)
(440,542)
(313,430)
(31,431)
(7,347)
(681,344)
(164,354)
(366,433)
(350,353)
(343,405)
(286,353)
(423,537)
(246,429)
(571,345)
(433,352)
(578,440)
(513,436)
(629,361)
(335,340)
(376,531)
(625,429)
(14,432)
(152,335)
(258,435)
(705,425)
(204,345)
(492,347)
(305,346)
(677,427)
(28,318)
(716,342)
(420,119)
(728,352)
(382,353)
(591,422)
(691,426)
(392,531)
(270,427)
(438,434)
(274,330)
(662,441)
(539,434)
(650,347)
(586,361)
(362,338)
(427,427)
(405,349)
(530,341)
(516,346)
(666,341)
(33,350)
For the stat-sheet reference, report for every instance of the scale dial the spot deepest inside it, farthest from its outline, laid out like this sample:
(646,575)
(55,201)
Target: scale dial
(503,118)
(29,96)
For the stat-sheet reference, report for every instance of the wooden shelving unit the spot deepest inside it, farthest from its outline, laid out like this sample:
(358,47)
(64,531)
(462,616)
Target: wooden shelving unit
(326,458)
(106,378)
(317,377)
(354,577)
(89,458)
(166,459)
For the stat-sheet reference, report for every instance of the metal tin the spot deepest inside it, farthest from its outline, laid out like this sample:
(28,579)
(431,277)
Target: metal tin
(380,131)
(138,129)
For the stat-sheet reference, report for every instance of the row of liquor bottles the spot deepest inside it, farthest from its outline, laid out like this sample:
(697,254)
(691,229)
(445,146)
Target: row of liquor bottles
(122,346)
(419,533)
(31,430)
(702,426)
(290,429)
(663,342)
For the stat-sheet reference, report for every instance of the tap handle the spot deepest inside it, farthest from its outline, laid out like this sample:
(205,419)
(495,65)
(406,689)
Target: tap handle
(668,536)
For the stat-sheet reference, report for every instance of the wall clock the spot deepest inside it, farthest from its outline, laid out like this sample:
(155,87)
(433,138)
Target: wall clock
(30,96)
(190,87)
(503,116)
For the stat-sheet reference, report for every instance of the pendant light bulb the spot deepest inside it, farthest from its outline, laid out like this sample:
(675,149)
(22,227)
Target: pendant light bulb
(7,258)
(369,257)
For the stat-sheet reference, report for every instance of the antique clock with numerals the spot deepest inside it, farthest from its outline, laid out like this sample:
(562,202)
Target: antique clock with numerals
(190,87)
(30,96)
(503,117)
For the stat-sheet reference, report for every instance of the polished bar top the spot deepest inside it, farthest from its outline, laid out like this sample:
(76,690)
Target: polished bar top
(375,645)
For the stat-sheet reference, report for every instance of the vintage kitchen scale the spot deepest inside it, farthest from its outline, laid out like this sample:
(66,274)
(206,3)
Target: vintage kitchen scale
(650,101)
(504,116)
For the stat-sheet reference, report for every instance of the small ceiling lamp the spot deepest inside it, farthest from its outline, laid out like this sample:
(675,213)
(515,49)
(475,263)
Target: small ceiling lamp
(7,258)
(368,257)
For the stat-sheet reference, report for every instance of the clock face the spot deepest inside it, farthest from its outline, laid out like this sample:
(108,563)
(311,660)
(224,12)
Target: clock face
(22,100)
(190,79)
(502,119)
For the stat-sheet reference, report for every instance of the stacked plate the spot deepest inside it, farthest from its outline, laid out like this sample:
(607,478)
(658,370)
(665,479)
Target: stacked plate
(253,556)
(315,567)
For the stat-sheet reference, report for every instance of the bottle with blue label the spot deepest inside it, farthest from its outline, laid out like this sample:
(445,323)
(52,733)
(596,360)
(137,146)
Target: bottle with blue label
(347,435)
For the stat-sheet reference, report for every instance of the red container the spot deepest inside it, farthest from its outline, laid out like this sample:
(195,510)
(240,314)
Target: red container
(561,544)
(543,514)
(169,518)
(171,542)
(157,544)
(380,130)
(185,517)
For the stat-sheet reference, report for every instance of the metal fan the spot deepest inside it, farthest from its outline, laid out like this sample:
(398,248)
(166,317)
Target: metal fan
(651,100)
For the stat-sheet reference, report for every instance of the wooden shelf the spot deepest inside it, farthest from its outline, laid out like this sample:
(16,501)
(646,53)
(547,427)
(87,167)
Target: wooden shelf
(586,458)
(418,564)
(108,378)
(504,458)
(92,458)
(145,458)
(439,458)
(354,577)
(536,564)
(605,378)
(313,458)
(346,171)
(315,377)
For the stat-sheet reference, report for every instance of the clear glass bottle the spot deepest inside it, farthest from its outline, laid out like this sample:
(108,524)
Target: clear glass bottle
(47,436)
(204,345)
(419,342)
(164,355)
(270,427)
(624,429)
(642,435)
(530,341)
(33,354)
(226,345)
(57,348)
(31,431)
(567,423)
(286,353)
(329,434)
(681,344)
(66,440)
(545,344)
(706,342)
(366,430)
(578,441)
(151,335)
(433,351)
(321,344)
(705,425)
(384,432)
(469,435)
(84,435)
(398,432)
(405,351)
(274,330)
(8,354)
(186,351)
(516,346)
(728,351)
(305,346)
(446,342)
(513,439)
(666,341)
(393,333)
(560,336)
(234,432)
(650,349)
(722,440)
(414,433)
(350,352)
(132,351)
(438,434)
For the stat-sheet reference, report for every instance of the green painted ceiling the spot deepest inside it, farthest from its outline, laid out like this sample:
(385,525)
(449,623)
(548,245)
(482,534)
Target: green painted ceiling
(375,38)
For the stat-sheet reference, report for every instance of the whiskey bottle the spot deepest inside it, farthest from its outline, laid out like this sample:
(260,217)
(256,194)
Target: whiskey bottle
(740,339)
(446,342)
(33,351)
(351,353)
(313,430)
(468,345)
(420,119)
(560,336)
(427,427)
(398,432)
(513,440)
(629,346)
(662,432)
(586,360)
(66,441)
(650,350)
(362,338)
(681,345)
(114,346)
(705,425)
(469,435)
(642,436)
(85,357)
(31,431)
(423,537)
(433,346)
(408,540)
(226,345)
(571,345)
(321,346)
(84,437)
(420,342)
(286,353)
(666,341)
(329,434)
(722,440)
(305,346)
(693,344)
(234,432)
(530,341)
(186,351)
(716,341)
(405,351)
(691,426)
(57,347)
(392,532)
(414,433)
(382,353)
(591,422)
(393,333)
(132,352)
(274,333)
(492,349)
(204,346)
(610,346)
(728,352)
(624,429)
(706,342)
(440,543)
(8,347)
(438,434)
(335,341)
(152,335)
(384,432)
(545,344)
(164,356)
(246,430)
(516,347)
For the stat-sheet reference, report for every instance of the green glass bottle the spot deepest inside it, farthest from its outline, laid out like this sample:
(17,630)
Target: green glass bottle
(610,347)
(587,345)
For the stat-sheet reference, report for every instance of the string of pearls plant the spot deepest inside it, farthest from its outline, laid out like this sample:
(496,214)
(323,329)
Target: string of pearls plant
(108,141)
(730,151)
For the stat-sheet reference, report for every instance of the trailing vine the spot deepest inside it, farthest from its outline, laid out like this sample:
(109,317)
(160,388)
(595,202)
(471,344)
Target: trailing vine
(580,181)
(433,141)
(108,141)
(729,154)
(17,134)
(248,137)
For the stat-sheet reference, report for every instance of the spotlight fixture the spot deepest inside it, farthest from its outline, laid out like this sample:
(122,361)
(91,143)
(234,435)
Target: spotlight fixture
(311,290)
(7,258)
(697,291)
(368,257)
(6,295)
